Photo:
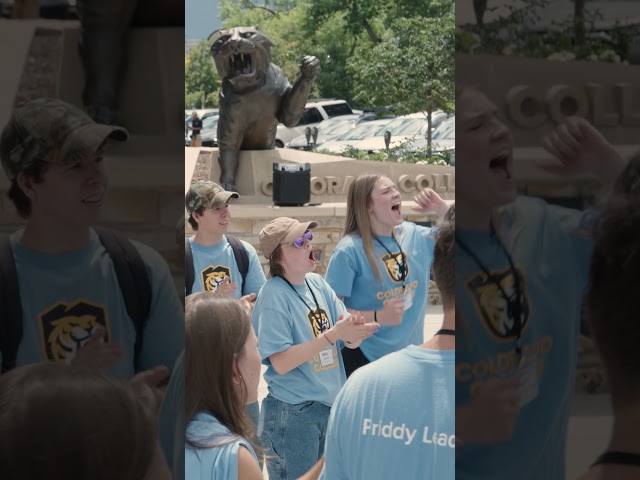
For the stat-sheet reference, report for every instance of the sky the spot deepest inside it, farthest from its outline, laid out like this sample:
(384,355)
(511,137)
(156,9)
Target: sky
(201,18)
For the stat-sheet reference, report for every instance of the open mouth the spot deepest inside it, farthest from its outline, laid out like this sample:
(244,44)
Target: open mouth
(312,257)
(95,198)
(240,64)
(396,208)
(500,165)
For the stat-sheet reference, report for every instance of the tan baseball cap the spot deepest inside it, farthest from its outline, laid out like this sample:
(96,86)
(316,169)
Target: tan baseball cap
(282,230)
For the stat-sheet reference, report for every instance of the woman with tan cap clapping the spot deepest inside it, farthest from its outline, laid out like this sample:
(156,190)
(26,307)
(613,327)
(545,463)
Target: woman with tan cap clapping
(301,326)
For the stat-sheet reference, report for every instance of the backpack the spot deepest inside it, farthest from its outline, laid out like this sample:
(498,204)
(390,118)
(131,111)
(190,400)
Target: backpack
(132,278)
(239,253)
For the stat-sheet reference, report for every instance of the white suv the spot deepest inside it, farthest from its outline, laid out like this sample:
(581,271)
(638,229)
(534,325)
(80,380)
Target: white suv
(315,112)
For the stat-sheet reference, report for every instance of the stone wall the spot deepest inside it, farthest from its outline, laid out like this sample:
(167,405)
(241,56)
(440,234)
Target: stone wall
(146,196)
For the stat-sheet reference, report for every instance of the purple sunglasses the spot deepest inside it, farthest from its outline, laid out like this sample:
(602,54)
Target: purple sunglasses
(299,242)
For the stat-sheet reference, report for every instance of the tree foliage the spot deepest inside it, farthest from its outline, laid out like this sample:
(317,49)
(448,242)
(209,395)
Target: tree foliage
(412,69)
(200,78)
(373,53)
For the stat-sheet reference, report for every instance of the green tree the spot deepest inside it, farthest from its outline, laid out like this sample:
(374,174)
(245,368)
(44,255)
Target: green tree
(358,26)
(578,21)
(412,69)
(283,22)
(200,78)
(337,32)
(364,16)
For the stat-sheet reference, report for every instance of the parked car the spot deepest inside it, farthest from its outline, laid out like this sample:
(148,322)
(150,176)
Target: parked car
(354,136)
(203,114)
(443,139)
(49,9)
(209,130)
(209,133)
(315,112)
(404,129)
(330,129)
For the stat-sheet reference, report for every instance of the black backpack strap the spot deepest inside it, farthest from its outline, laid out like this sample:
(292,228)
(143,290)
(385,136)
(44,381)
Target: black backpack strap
(241,256)
(189,271)
(10,306)
(132,278)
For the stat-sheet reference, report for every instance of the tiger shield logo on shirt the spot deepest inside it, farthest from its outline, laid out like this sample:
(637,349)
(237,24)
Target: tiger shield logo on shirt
(319,321)
(396,266)
(212,277)
(66,327)
(497,314)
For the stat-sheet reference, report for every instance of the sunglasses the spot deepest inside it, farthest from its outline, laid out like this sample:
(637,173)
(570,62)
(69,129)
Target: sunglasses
(299,242)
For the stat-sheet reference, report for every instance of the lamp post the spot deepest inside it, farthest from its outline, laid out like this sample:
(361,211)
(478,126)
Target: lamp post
(307,133)
(387,139)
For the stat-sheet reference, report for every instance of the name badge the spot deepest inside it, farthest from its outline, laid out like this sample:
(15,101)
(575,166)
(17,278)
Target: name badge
(528,374)
(408,301)
(326,357)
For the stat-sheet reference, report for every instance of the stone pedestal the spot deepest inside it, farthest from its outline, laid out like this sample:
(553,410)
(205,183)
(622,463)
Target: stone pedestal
(330,175)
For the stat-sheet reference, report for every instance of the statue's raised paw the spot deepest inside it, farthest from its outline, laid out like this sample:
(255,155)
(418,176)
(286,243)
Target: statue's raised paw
(310,67)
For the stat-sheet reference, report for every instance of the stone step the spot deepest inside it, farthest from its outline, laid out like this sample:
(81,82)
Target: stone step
(15,42)
(152,92)
(40,58)
(158,172)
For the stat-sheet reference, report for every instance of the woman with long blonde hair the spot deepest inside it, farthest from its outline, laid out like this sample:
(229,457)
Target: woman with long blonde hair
(381,266)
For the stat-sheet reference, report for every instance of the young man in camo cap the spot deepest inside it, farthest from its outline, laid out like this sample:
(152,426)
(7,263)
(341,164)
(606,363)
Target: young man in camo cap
(213,257)
(215,265)
(73,308)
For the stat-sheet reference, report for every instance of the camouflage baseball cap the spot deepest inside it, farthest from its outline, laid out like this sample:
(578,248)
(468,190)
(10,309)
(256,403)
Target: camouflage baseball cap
(206,194)
(53,131)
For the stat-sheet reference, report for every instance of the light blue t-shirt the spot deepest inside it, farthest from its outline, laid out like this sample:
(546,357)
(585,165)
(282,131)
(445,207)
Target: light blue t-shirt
(82,292)
(281,320)
(395,419)
(551,248)
(212,463)
(211,264)
(171,421)
(351,277)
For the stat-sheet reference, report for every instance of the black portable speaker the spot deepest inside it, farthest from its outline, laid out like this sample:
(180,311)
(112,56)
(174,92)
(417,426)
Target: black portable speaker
(291,184)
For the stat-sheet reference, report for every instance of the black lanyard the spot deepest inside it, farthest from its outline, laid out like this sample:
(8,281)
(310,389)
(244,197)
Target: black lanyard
(402,267)
(445,331)
(300,296)
(620,458)
(514,307)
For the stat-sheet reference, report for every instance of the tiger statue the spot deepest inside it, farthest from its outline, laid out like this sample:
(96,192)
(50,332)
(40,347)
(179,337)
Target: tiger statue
(255,95)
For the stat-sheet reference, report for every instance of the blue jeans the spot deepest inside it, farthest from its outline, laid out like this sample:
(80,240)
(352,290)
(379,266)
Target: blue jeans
(292,436)
(253,409)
